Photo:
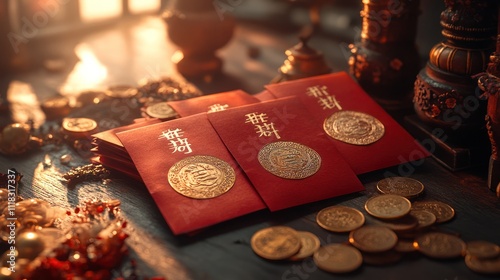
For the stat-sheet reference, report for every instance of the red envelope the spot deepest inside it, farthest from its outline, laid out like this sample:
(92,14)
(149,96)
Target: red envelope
(154,151)
(397,146)
(111,152)
(109,136)
(212,102)
(118,165)
(284,121)
(264,96)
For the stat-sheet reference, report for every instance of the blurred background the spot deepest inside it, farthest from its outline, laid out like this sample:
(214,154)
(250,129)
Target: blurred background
(69,46)
(26,23)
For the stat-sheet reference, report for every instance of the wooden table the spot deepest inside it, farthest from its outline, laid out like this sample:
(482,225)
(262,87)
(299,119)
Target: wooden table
(137,49)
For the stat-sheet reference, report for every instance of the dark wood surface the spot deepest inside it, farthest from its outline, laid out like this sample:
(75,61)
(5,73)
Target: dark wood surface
(137,49)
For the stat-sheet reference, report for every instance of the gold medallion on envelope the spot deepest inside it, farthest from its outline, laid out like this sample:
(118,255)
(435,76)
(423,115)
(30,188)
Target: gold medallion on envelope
(354,127)
(289,160)
(201,177)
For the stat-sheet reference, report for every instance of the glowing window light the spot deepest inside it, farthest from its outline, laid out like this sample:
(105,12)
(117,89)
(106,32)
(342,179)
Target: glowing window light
(144,6)
(96,10)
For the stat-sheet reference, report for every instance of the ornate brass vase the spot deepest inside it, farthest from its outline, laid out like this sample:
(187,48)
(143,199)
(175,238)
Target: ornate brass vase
(198,30)
(445,92)
(385,60)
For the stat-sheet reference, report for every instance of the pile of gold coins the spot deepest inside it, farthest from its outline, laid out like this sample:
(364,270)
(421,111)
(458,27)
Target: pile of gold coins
(397,227)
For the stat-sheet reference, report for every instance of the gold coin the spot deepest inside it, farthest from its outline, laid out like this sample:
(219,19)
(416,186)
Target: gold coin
(403,224)
(161,110)
(425,218)
(404,246)
(441,210)
(354,127)
(289,160)
(309,244)
(201,177)
(440,245)
(276,243)
(340,218)
(338,258)
(78,125)
(373,239)
(483,249)
(486,266)
(56,107)
(388,206)
(121,91)
(403,186)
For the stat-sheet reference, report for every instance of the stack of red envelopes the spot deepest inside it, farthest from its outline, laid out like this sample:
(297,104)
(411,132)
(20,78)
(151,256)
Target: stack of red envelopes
(274,143)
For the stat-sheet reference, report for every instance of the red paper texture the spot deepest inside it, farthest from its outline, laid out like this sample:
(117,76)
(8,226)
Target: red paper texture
(111,152)
(126,168)
(110,135)
(395,147)
(334,177)
(212,102)
(264,96)
(153,158)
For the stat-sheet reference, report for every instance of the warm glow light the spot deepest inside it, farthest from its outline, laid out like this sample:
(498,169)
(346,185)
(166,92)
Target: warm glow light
(24,104)
(31,235)
(142,6)
(177,56)
(95,10)
(87,74)
(4,271)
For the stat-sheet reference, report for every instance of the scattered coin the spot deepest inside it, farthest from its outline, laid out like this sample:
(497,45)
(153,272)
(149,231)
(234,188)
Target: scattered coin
(354,127)
(65,159)
(309,244)
(338,258)
(483,249)
(289,160)
(441,210)
(486,266)
(161,110)
(405,246)
(56,107)
(79,125)
(201,177)
(403,224)
(440,245)
(385,258)
(121,91)
(373,239)
(90,97)
(388,206)
(276,243)
(403,186)
(340,218)
(425,218)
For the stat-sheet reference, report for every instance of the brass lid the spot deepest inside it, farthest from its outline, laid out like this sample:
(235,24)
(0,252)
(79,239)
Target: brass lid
(303,61)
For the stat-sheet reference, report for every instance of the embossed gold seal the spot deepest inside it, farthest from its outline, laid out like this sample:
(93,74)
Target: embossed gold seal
(201,177)
(289,160)
(354,127)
